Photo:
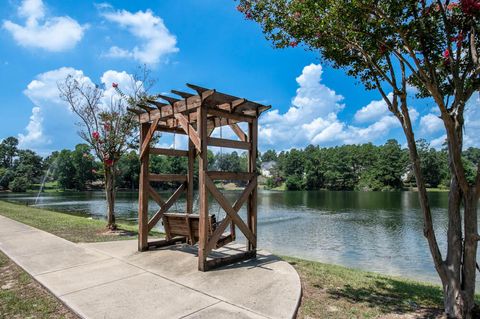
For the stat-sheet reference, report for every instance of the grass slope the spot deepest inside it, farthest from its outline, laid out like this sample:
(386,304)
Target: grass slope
(73,228)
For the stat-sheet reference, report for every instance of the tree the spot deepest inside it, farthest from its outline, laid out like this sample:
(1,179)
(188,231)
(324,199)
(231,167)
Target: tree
(29,165)
(269,155)
(84,166)
(19,184)
(129,170)
(388,44)
(8,150)
(64,169)
(390,164)
(107,127)
(431,164)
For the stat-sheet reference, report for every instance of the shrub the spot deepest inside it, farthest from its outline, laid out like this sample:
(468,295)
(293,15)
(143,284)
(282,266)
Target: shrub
(19,184)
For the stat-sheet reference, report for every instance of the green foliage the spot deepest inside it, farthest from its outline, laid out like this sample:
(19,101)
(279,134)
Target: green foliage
(19,184)
(294,183)
(8,150)
(128,170)
(363,167)
(269,155)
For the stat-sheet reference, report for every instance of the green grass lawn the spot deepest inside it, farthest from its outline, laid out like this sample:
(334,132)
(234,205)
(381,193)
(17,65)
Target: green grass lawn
(329,291)
(73,228)
(22,297)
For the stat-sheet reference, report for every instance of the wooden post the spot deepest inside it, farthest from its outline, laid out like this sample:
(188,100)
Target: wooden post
(252,168)
(143,192)
(202,189)
(191,165)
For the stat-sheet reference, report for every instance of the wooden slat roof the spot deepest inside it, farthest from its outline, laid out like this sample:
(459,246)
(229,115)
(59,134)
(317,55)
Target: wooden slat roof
(226,109)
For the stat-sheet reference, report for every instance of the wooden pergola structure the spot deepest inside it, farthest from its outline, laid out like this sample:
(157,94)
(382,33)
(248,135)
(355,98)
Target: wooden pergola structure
(196,116)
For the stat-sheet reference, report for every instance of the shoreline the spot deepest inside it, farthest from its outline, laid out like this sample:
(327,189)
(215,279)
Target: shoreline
(330,290)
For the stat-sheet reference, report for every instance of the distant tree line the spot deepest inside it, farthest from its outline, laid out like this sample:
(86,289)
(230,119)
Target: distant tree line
(361,167)
(78,169)
(347,167)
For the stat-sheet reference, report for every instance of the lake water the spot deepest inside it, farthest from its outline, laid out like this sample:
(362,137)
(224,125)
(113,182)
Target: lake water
(376,231)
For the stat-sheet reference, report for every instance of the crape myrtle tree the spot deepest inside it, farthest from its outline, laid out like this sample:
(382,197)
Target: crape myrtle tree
(389,45)
(106,126)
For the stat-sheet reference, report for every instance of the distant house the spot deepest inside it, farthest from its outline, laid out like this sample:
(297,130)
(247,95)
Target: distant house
(267,167)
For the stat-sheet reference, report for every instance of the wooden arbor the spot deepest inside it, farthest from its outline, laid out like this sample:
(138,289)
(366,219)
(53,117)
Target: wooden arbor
(197,115)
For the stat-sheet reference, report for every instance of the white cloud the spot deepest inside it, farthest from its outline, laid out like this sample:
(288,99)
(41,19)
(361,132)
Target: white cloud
(43,90)
(431,123)
(373,110)
(34,131)
(313,118)
(437,143)
(156,40)
(472,122)
(53,34)
(126,83)
(52,122)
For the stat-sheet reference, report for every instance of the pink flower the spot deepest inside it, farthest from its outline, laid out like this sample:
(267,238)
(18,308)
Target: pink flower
(108,162)
(293,44)
(240,8)
(115,85)
(248,15)
(107,127)
(446,53)
(96,135)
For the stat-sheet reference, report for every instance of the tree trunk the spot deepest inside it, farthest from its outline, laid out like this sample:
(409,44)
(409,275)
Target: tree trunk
(452,294)
(110,194)
(470,201)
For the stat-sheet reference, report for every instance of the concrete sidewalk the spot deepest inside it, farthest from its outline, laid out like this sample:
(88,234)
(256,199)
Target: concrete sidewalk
(113,280)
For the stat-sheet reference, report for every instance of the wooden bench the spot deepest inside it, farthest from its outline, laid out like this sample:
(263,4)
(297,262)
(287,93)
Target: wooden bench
(187,225)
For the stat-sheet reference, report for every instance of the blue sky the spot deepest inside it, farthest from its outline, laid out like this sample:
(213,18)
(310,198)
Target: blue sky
(205,42)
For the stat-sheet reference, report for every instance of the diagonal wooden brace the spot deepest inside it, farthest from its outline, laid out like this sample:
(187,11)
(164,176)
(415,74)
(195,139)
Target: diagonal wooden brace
(148,138)
(236,207)
(155,196)
(154,220)
(191,132)
(229,209)
(239,132)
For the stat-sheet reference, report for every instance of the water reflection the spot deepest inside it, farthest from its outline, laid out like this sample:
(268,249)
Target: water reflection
(375,231)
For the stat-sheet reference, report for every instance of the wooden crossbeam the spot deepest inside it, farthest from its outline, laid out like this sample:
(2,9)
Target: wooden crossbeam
(192,134)
(165,207)
(168,152)
(167,177)
(155,196)
(197,88)
(167,129)
(233,116)
(228,209)
(236,176)
(148,138)
(221,142)
(236,207)
(181,106)
(157,104)
(239,132)
(182,94)
(169,99)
